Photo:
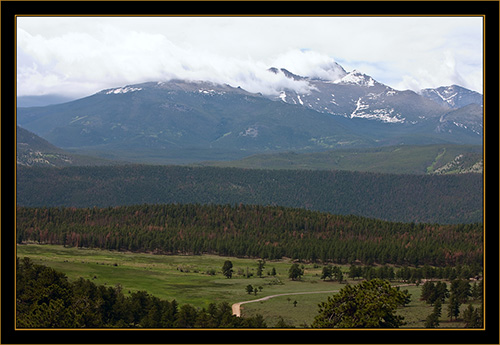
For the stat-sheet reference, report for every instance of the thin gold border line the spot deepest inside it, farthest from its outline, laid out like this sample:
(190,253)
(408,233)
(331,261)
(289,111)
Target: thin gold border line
(254,16)
(15,174)
(484,173)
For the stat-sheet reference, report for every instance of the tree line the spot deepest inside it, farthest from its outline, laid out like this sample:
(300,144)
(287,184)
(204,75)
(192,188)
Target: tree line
(460,292)
(415,274)
(266,232)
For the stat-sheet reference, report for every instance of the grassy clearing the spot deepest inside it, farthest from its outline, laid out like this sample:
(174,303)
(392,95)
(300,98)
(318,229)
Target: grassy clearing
(187,279)
(432,167)
(198,280)
(300,314)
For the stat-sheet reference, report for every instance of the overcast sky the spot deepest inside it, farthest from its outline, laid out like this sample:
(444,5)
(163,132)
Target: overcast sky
(78,56)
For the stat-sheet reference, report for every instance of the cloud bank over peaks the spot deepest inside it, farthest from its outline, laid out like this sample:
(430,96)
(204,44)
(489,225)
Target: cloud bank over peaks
(75,64)
(447,69)
(78,56)
(253,76)
(249,74)
(310,64)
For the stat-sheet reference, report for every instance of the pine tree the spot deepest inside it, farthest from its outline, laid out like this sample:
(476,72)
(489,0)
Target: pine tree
(337,274)
(432,320)
(326,273)
(260,267)
(453,308)
(227,269)
(295,272)
(471,317)
(371,304)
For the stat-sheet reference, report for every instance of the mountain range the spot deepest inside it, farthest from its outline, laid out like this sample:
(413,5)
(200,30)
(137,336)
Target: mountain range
(181,121)
(357,95)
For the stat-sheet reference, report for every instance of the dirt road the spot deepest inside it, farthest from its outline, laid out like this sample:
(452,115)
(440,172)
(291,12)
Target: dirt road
(237,309)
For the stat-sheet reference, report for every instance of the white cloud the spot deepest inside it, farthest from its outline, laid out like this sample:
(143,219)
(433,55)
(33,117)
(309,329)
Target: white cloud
(131,57)
(447,66)
(309,63)
(82,55)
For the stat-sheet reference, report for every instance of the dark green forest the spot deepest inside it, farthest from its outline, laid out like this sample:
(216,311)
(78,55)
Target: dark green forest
(45,298)
(446,199)
(267,232)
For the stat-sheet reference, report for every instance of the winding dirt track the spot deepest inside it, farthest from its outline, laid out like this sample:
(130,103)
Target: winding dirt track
(237,309)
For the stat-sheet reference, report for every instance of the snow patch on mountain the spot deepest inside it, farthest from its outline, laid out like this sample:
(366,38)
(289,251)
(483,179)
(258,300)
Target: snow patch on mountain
(364,111)
(252,132)
(122,90)
(283,96)
(300,101)
(211,92)
(445,96)
(359,106)
(384,115)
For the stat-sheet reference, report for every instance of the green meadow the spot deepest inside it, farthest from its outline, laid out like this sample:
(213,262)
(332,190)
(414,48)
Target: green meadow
(193,279)
(198,280)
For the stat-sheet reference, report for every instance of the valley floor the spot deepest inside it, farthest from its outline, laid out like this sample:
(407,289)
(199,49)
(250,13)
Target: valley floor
(198,280)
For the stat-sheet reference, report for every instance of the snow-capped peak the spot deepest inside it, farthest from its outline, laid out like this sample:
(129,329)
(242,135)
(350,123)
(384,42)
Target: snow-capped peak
(357,78)
(452,96)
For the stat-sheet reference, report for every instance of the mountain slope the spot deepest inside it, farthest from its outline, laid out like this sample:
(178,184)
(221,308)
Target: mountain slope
(177,117)
(34,151)
(467,119)
(184,121)
(357,95)
(388,159)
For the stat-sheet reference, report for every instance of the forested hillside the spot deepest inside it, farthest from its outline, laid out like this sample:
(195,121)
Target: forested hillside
(407,198)
(255,231)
